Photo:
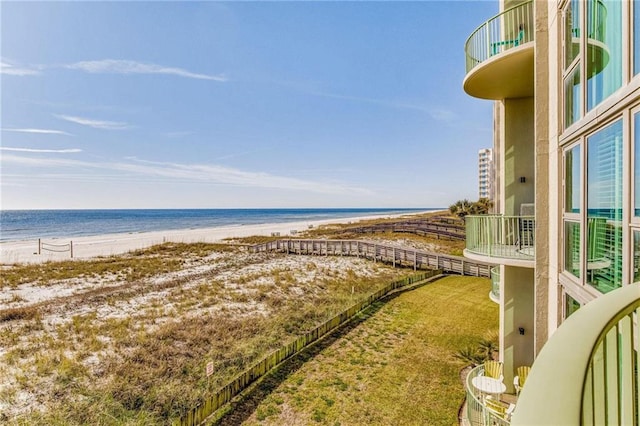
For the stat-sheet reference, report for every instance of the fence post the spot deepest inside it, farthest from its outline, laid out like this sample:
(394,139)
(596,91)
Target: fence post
(39,245)
(71,248)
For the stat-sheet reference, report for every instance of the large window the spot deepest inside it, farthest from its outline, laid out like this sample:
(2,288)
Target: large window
(604,49)
(572,248)
(571,32)
(572,92)
(636,150)
(572,180)
(572,77)
(570,305)
(636,37)
(604,208)
(636,256)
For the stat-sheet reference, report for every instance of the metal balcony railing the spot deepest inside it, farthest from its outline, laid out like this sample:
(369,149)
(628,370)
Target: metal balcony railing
(591,362)
(510,237)
(511,28)
(495,284)
(477,413)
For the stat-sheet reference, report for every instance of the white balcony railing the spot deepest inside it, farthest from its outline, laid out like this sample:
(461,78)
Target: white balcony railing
(587,373)
(509,237)
(477,412)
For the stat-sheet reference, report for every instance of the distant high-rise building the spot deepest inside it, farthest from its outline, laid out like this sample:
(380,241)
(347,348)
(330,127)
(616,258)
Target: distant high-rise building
(485,173)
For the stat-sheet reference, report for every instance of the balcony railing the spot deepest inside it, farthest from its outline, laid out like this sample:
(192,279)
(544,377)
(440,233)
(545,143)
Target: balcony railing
(511,28)
(510,237)
(591,362)
(495,284)
(477,413)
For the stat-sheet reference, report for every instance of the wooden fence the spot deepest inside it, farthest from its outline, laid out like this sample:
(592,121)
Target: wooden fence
(438,230)
(199,414)
(395,256)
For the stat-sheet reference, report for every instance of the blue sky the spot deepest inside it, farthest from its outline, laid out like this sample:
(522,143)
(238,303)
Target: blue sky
(238,104)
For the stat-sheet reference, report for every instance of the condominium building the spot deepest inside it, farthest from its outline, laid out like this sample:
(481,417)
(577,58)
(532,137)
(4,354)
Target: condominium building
(485,173)
(564,79)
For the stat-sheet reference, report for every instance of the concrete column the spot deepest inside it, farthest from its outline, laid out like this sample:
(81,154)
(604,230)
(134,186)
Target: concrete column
(517,295)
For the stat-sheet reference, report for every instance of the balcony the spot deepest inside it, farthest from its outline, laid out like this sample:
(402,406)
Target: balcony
(507,240)
(477,412)
(591,363)
(500,56)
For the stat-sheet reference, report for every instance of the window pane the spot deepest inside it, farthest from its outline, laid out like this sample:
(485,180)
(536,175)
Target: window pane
(571,305)
(572,180)
(604,49)
(572,248)
(636,36)
(572,33)
(636,256)
(572,97)
(636,178)
(604,202)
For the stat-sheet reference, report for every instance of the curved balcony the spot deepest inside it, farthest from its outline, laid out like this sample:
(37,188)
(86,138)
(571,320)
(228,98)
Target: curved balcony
(500,56)
(507,240)
(597,50)
(495,284)
(591,363)
(477,412)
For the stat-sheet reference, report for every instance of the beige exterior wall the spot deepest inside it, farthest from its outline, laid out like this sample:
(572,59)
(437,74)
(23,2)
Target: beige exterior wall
(518,154)
(517,297)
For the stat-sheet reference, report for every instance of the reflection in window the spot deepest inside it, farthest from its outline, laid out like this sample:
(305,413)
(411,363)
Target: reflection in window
(636,178)
(636,36)
(572,180)
(571,305)
(572,32)
(572,248)
(572,97)
(636,256)
(604,49)
(604,208)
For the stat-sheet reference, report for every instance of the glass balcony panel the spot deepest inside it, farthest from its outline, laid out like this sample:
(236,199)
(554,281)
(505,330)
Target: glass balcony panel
(510,237)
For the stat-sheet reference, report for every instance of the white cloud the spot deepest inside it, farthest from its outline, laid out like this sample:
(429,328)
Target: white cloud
(207,174)
(9,69)
(96,124)
(55,151)
(436,113)
(38,131)
(116,66)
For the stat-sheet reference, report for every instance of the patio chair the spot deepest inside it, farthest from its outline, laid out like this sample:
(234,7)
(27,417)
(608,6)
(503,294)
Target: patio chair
(495,47)
(521,377)
(493,369)
(501,409)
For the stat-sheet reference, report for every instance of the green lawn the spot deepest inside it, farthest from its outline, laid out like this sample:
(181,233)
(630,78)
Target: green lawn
(393,366)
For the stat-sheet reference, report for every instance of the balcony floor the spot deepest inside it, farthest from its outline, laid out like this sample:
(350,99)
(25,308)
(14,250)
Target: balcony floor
(503,254)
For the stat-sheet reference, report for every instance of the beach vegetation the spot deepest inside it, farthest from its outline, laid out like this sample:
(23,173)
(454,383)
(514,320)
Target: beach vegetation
(395,364)
(134,350)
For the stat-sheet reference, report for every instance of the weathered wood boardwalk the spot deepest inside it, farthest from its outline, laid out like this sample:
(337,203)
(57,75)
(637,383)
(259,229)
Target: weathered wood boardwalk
(396,256)
(447,231)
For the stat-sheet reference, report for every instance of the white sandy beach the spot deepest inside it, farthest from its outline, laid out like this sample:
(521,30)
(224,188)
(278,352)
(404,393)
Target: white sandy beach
(25,251)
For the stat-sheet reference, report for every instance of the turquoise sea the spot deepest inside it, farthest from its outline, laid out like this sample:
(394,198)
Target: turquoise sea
(31,224)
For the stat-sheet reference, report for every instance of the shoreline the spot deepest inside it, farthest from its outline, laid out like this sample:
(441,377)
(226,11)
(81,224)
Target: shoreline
(87,247)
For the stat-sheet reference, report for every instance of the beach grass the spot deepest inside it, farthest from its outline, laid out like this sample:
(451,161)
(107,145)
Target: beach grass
(396,365)
(133,350)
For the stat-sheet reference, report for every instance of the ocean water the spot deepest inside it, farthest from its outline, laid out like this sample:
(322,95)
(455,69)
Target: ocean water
(33,224)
